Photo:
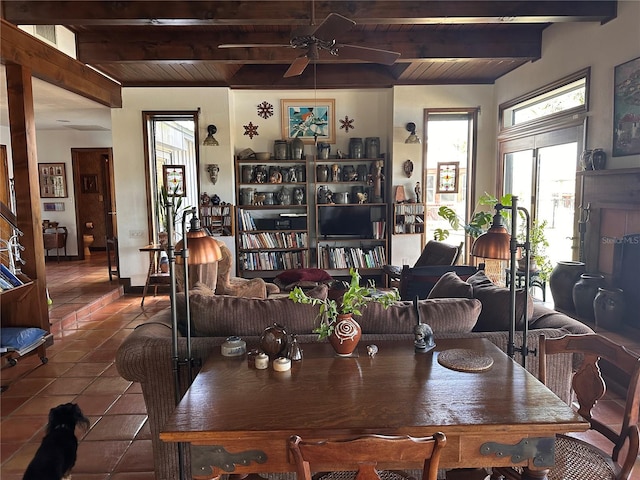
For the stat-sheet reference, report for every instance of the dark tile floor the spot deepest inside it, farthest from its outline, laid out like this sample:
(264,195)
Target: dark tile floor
(90,317)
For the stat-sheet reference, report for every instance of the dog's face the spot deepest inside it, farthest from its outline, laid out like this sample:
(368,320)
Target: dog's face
(67,415)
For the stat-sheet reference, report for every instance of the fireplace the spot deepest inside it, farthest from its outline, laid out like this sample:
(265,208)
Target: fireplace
(610,205)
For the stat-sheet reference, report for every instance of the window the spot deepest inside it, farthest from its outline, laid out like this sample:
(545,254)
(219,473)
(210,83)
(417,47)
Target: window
(566,96)
(171,142)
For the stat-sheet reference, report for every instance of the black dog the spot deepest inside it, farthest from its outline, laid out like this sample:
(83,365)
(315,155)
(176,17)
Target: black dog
(56,455)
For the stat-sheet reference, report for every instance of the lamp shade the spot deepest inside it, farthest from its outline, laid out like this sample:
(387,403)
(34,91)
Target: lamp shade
(203,249)
(494,243)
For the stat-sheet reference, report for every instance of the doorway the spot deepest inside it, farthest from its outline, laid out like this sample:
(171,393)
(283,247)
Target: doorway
(541,170)
(94,188)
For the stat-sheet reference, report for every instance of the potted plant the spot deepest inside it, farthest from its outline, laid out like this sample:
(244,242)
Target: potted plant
(336,316)
(161,203)
(539,261)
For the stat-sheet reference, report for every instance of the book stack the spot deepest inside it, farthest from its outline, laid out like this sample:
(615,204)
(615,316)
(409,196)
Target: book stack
(8,280)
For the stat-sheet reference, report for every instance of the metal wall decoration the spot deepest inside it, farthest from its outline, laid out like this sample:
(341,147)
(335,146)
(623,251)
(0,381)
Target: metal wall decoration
(265,110)
(53,180)
(447,177)
(347,123)
(251,130)
(407,166)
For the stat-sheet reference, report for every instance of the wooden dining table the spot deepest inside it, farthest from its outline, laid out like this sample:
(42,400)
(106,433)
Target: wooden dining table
(238,419)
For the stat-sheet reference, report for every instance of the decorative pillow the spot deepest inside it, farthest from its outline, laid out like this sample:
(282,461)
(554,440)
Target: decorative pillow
(451,285)
(444,315)
(495,315)
(17,338)
(225,315)
(301,277)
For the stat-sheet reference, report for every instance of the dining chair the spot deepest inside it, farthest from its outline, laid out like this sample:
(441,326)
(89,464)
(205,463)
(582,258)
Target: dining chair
(433,253)
(358,457)
(577,459)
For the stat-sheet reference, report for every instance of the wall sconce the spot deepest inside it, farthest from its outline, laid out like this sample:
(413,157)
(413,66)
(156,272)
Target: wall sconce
(412,138)
(211,141)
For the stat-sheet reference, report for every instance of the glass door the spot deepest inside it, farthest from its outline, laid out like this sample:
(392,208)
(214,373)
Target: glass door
(541,171)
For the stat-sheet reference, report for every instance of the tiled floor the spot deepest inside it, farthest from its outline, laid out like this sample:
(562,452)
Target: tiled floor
(90,318)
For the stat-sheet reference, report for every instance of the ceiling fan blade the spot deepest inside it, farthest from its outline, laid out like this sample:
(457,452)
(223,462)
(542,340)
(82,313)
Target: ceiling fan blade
(252,45)
(332,26)
(375,55)
(297,67)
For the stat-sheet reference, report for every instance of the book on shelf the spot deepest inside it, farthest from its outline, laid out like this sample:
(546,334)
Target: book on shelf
(8,279)
(348,257)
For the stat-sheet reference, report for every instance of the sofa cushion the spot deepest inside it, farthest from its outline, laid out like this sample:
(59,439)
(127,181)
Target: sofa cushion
(495,304)
(444,315)
(450,285)
(225,315)
(302,277)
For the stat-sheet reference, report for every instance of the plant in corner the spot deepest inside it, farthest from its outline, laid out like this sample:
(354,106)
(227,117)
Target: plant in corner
(332,312)
(161,202)
(540,262)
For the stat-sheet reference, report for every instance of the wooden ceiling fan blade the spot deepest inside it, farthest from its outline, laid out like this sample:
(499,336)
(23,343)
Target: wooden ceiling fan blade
(332,26)
(375,55)
(297,67)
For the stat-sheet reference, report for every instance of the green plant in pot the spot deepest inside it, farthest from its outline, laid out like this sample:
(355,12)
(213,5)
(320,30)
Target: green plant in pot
(162,201)
(336,316)
(539,261)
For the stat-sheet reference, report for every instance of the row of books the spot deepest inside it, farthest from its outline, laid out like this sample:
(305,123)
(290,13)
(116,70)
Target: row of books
(215,210)
(378,229)
(246,220)
(8,279)
(274,240)
(409,209)
(348,257)
(273,260)
(409,228)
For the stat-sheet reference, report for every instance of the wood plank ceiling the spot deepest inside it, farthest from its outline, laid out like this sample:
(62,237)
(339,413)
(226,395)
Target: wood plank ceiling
(175,43)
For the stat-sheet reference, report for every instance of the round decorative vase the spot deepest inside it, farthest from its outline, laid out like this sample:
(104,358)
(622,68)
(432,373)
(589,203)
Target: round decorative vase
(322,173)
(273,341)
(297,148)
(356,148)
(586,161)
(345,335)
(598,159)
(609,308)
(561,281)
(372,147)
(584,291)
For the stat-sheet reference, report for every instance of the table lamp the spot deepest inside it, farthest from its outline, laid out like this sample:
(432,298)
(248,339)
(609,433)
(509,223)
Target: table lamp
(497,243)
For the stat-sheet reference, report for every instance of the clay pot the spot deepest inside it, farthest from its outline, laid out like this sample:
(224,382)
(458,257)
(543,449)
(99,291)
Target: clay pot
(561,281)
(346,335)
(273,341)
(584,291)
(609,308)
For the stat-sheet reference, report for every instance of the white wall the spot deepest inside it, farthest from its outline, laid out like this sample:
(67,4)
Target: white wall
(409,104)
(570,47)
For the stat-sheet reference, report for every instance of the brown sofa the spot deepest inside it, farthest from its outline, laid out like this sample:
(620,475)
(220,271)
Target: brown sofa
(146,355)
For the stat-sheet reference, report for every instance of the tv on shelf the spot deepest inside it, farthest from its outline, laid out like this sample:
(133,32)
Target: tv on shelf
(353,221)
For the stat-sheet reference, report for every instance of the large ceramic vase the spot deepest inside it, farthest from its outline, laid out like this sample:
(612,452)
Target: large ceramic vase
(584,291)
(609,308)
(561,281)
(346,335)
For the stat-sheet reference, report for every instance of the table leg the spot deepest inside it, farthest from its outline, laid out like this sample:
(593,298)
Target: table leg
(149,273)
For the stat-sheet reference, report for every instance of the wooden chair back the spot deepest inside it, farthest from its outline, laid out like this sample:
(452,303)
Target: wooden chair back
(365,452)
(438,253)
(589,387)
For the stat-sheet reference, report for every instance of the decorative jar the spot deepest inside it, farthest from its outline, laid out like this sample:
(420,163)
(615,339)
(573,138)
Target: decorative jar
(609,308)
(345,335)
(355,147)
(561,281)
(584,291)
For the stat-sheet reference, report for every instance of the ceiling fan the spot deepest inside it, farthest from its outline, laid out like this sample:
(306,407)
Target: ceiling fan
(315,38)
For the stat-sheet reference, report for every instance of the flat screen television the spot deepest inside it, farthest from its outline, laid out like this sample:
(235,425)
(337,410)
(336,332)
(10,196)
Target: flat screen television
(347,221)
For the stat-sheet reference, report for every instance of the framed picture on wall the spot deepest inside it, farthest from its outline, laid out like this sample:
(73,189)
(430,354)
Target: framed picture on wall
(53,180)
(309,120)
(174,180)
(447,177)
(626,108)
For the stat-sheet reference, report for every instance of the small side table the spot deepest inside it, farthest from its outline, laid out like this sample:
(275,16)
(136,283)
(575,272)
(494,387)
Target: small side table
(55,238)
(155,276)
(534,281)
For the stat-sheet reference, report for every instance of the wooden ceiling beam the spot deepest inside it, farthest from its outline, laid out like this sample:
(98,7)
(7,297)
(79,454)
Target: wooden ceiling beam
(283,12)
(53,66)
(414,45)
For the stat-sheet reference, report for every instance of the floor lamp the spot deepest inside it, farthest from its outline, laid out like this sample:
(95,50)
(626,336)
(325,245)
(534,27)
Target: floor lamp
(497,243)
(205,250)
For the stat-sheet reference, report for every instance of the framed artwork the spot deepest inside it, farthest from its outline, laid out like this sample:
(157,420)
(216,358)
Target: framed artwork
(174,180)
(626,108)
(447,177)
(89,183)
(53,206)
(53,180)
(310,120)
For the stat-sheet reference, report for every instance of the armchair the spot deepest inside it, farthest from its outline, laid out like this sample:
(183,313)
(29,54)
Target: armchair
(236,286)
(434,253)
